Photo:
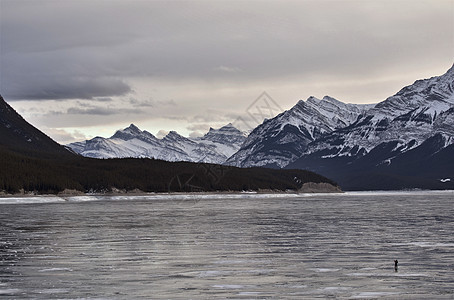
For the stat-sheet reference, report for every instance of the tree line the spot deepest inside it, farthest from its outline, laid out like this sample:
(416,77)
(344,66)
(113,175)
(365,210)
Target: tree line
(55,174)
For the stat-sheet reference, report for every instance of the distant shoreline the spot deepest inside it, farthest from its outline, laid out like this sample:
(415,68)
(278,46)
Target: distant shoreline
(205,194)
(309,187)
(144,194)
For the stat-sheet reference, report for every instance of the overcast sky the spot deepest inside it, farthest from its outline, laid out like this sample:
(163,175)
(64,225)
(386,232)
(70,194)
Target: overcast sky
(77,69)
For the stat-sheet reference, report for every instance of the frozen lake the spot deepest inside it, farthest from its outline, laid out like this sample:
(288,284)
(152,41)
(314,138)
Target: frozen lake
(228,246)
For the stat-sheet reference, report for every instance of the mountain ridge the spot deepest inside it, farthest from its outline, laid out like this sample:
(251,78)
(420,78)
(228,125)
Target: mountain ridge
(214,147)
(291,131)
(395,139)
(31,162)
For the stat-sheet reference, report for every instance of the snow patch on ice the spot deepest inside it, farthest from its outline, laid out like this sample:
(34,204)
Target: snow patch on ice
(324,270)
(228,286)
(30,200)
(56,270)
(363,295)
(9,291)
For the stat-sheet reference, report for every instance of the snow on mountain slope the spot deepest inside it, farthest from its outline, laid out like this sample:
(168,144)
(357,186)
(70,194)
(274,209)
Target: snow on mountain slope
(215,147)
(436,93)
(416,113)
(406,141)
(283,139)
(133,132)
(227,139)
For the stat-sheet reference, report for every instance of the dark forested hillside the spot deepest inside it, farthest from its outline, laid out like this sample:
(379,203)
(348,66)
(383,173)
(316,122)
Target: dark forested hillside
(96,175)
(31,161)
(18,135)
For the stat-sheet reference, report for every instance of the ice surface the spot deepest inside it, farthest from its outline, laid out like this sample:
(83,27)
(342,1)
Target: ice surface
(229,246)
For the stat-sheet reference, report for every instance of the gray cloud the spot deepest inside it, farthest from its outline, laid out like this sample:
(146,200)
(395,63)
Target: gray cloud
(215,58)
(102,111)
(162,133)
(55,88)
(228,69)
(57,47)
(104,99)
(151,103)
(210,116)
(199,127)
(64,136)
(195,134)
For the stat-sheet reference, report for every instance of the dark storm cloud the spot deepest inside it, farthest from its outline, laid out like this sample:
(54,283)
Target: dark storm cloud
(59,50)
(55,88)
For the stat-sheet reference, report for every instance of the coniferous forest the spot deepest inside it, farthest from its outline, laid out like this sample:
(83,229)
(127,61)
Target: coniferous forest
(53,175)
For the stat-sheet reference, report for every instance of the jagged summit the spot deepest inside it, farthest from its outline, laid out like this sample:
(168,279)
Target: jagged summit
(215,147)
(130,132)
(133,132)
(133,127)
(174,136)
(172,133)
(227,134)
(225,127)
(279,141)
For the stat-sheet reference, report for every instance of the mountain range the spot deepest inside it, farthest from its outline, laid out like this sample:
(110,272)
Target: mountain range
(405,141)
(216,146)
(30,161)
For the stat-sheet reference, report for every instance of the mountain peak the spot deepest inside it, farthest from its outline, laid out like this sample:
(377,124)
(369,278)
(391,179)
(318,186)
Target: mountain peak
(331,99)
(173,134)
(313,99)
(226,134)
(128,133)
(133,127)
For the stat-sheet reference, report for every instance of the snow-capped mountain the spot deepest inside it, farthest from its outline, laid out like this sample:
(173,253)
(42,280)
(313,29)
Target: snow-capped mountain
(214,147)
(416,113)
(283,139)
(405,141)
